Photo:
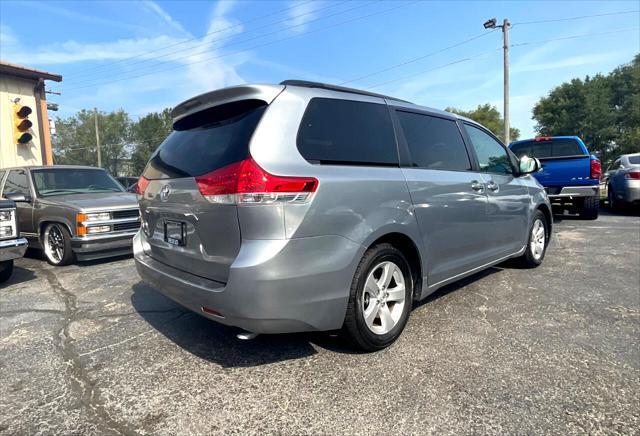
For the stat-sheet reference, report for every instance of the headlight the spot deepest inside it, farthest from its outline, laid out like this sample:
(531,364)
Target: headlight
(98,229)
(8,224)
(98,216)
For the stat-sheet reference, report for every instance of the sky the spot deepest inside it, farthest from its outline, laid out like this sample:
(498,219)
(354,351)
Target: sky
(143,56)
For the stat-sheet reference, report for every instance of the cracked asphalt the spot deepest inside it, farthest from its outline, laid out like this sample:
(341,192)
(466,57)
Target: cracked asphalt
(89,349)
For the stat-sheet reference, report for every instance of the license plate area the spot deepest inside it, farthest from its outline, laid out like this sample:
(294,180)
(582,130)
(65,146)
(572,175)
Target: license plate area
(174,233)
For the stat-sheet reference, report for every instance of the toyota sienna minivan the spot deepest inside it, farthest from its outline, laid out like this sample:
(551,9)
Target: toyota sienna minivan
(304,206)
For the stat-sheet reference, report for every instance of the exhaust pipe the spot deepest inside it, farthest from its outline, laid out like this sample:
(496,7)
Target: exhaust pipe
(246,336)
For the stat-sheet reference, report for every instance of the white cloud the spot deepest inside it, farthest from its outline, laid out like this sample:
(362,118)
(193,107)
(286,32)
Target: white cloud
(157,10)
(300,15)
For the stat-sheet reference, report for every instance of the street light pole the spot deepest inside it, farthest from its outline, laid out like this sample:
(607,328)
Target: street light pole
(492,24)
(505,47)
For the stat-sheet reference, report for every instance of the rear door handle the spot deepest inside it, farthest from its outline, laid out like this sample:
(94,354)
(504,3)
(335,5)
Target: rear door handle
(477,186)
(493,186)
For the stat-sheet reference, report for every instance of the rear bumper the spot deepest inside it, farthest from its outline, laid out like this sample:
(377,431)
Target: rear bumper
(12,249)
(573,191)
(631,192)
(274,286)
(101,246)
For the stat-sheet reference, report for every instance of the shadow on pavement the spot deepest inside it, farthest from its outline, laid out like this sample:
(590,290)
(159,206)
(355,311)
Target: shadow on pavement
(20,275)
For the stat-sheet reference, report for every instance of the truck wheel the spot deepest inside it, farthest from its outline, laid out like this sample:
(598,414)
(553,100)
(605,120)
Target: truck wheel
(380,300)
(56,242)
(590,208)
(6,268)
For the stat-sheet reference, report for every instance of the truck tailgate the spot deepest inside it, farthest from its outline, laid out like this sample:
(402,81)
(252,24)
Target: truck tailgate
(573,171)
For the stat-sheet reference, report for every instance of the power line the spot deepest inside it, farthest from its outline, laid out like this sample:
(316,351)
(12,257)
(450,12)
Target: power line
(207,50)
(584,35)
(252,47)
(222,38)
(192,39)
(555,20)
(419,58)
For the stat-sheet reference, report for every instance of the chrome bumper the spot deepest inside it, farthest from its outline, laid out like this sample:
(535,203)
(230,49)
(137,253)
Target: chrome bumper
(577,191)
(12,249)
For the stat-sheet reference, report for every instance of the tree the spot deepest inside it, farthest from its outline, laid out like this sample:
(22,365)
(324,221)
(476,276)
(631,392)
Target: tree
(146,135)
(603,110)
(75,140)
(489,116)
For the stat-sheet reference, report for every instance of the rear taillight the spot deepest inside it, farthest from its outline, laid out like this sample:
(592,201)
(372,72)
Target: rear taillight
(141,186)
(246,183)
(632,175)
(596,169)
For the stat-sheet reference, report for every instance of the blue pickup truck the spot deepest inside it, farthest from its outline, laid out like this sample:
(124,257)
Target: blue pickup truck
(569,174)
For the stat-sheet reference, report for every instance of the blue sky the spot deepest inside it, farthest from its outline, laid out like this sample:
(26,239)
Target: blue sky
(147,55)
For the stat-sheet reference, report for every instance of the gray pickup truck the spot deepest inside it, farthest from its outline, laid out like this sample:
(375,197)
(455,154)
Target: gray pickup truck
(12,246)
(72,212)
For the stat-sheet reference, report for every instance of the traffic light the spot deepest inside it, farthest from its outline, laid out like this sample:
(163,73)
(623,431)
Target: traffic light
(21,124)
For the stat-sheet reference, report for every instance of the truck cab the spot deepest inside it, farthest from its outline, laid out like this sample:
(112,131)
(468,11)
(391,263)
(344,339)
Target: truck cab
(570,174)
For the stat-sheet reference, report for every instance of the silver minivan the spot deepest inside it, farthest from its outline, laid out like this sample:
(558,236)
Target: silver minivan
(304,206)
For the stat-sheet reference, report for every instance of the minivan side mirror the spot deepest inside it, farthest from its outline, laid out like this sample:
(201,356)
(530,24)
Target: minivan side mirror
(18,198)
(529,165)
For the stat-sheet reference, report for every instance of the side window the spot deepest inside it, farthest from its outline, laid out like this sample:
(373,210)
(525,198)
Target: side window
(434,143)
(344,131)
(17,183)
(492,156)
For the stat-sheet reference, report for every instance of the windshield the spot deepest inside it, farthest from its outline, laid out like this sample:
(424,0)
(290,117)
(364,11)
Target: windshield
(548,148)
(634,160)
(49,182)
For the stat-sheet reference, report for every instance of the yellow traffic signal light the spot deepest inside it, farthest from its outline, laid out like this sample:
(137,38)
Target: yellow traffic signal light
(21,124)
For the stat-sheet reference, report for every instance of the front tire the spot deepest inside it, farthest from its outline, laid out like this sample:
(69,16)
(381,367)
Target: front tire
(538,242)
(56,242)
(590,208)
(6,269)
(380,299)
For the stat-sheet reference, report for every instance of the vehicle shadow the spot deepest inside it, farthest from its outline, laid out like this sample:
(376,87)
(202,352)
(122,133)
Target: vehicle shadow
(212,341)
(20,275)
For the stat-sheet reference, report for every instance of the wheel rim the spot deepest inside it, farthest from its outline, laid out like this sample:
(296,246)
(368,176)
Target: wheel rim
(538,239)
(383,297)
(54,244)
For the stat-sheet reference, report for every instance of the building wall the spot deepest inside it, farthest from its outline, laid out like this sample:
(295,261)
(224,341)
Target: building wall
(10,153)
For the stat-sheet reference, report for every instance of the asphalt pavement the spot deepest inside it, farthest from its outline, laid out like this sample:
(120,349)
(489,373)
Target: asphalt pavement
(89,349)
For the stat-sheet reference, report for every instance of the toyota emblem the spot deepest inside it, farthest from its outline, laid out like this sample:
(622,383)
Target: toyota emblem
(164,192)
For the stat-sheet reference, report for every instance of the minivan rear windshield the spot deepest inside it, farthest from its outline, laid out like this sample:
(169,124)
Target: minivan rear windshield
(561,147)
(207,140)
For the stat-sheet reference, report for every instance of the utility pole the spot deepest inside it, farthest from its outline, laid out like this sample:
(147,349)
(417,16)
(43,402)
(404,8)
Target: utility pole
(492,24)
(95,118)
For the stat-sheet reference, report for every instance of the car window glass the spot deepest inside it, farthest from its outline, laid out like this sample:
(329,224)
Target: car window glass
(634,160)
(492,156)
(345,131)
(434,143)
(17,183)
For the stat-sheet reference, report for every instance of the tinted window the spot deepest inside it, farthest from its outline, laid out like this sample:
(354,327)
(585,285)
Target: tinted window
(17,183)
(549,148)
(343,131)
(207,140)
(633,160)
(434,143)
(492,156)
(60,181)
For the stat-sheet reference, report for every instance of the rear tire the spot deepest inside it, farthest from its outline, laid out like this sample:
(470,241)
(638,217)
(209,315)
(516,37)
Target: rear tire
(614,204)
(380,298)
(6,269)
(590,208)
(56,244)
(537,242)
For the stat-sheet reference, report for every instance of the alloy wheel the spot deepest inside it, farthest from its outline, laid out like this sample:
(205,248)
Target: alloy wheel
(383,297)
(54,244)
(538,239)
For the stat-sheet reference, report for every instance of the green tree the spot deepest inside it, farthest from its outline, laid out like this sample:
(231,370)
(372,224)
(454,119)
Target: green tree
(146,135)
(489,116)
(75,139)
(603,110)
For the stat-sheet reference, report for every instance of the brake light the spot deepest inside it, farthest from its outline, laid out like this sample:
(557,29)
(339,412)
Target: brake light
(596,169)
(635,175)
(141,186)
(542,138)
(246,183)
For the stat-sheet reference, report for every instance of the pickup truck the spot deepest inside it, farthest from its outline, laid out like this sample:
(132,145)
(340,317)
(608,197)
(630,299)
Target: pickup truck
(569,174)
(12,246)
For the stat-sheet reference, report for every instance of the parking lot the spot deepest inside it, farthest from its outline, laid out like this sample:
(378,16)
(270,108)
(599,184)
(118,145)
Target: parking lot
(90,349)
